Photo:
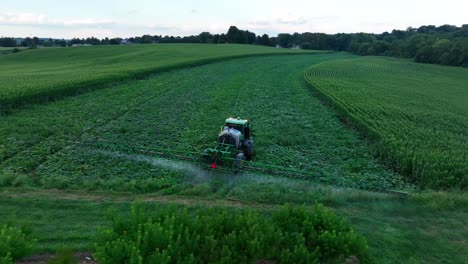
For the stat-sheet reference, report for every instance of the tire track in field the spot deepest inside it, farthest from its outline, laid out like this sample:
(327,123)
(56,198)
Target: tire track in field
(28,150)
(139,101)
(126,198)
(76,136)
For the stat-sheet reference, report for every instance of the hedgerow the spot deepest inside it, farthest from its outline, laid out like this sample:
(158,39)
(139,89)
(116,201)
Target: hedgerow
(214,235)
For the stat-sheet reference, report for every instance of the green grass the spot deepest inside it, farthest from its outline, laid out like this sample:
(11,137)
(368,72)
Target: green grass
(399,230)
(183,110)
(5,49)
(43,74)
(417,113)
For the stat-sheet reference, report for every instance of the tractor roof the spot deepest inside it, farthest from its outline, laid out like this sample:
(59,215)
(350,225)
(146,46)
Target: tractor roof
(237,121)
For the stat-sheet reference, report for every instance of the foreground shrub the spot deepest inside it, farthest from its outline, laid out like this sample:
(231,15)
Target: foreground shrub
(177,235)
(14,244)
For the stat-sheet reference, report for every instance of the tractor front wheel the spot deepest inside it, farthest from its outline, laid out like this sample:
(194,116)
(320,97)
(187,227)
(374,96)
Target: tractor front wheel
(238,162)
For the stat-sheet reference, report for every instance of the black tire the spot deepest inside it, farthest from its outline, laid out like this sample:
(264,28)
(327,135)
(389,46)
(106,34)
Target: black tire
(239,161)
(249,150)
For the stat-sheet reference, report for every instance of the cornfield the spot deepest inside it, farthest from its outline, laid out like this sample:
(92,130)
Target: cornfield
(417,114)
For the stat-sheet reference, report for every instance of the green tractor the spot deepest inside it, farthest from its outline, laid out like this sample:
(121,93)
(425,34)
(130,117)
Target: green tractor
(233,146)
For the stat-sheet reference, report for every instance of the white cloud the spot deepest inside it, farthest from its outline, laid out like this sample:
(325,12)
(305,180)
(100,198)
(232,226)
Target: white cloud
(185,30)
(88,22)
(292,20)
(23,19)
(31,19)
(278,21)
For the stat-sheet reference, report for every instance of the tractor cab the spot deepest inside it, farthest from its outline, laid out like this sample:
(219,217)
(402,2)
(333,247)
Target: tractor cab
(241,125)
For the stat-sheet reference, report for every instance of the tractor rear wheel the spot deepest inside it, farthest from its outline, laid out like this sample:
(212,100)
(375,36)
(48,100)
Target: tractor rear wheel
(249,149)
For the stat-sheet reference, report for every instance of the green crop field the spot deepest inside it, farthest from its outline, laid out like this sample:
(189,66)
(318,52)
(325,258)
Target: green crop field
(418,113)
(41,74)
(56,181)
(296,133)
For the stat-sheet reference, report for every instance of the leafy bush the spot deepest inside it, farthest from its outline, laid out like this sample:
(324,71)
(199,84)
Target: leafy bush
(330,236)
(5,258)
(177,235)
(14,243)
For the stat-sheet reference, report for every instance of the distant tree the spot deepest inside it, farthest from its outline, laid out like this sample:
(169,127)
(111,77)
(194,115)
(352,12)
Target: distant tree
(157,38)
(365,48)
(61,42)
(447,53)
(48,43)
(265,40)
(446,28)
(380,47)
(233,35)
(306,45)
(92,41)
(284,40)
(427,29)
(115,41)
(7,42)
(464,46)
(396,48)
(452,57)
(222,39)
(462,32)
(425,55)
(399,34)
(205,37)
(27,42)
(342,41)
(295,40)
(389,38)
(146,39)
(76,41)
(35,42)
(417,42)
(411,30)
(273,41)
(250,37)
(216,38)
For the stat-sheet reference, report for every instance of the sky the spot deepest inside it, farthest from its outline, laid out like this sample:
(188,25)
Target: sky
(120,18)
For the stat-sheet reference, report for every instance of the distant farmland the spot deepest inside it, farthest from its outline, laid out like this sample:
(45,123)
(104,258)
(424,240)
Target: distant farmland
(418,113)
(41,74)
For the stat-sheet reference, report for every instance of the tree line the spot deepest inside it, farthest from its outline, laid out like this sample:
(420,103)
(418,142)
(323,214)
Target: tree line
(446,44)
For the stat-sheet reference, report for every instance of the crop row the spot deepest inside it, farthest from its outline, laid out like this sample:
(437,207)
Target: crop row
(183,110)
(369,69)
(417,114)
(41,75)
